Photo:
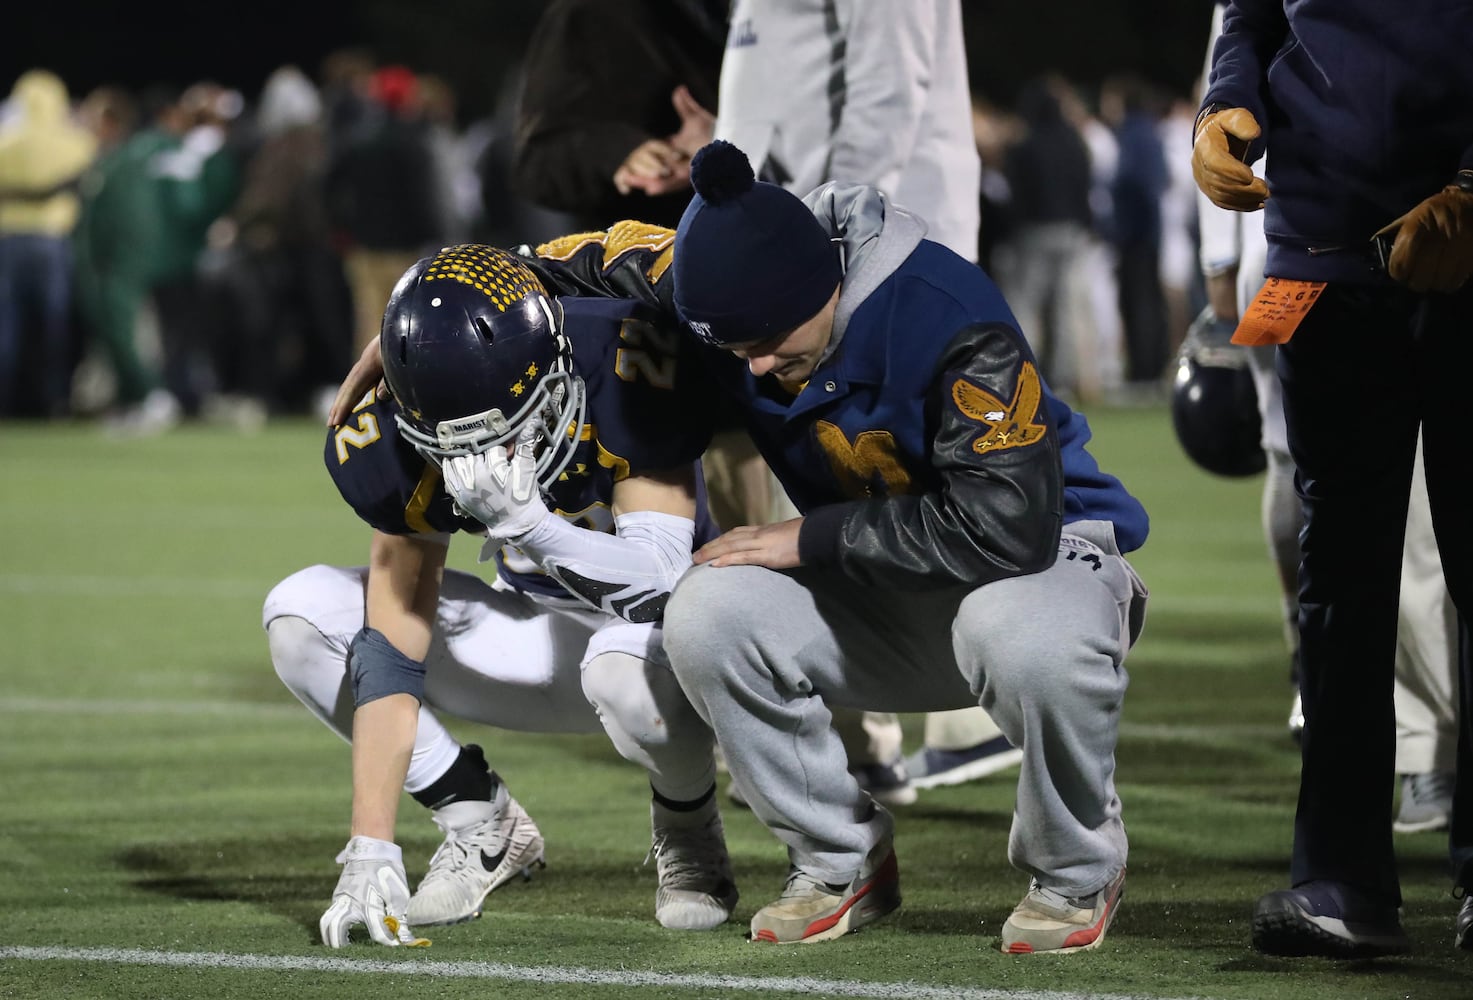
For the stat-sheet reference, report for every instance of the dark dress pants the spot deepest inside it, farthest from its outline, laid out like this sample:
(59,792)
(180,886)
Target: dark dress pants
(1367,365)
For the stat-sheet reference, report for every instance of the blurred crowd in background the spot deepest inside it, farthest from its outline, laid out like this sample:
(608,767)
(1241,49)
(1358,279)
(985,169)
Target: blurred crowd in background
(207,254)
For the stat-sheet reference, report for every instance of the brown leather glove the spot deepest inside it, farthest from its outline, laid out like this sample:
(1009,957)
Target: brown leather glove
(1217,160)
(1433,243)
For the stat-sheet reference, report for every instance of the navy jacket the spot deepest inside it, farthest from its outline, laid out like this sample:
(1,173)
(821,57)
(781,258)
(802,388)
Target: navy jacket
(1367,106)
(927,460)
(923,450)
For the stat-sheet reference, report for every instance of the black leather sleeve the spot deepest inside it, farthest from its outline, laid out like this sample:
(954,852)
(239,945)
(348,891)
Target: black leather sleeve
(998,510)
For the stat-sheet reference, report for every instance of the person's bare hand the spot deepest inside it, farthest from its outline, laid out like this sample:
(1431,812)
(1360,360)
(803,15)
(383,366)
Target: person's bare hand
(366,372)
(697,125)
(653,167)
(772,545)
(662,166)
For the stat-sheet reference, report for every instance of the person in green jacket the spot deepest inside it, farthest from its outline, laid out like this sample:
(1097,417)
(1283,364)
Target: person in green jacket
(114,243)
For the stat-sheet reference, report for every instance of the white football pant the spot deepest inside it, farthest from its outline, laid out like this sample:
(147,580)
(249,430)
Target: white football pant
(504,659)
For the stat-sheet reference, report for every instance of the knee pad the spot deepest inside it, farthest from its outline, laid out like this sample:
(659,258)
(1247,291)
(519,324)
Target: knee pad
(379,669)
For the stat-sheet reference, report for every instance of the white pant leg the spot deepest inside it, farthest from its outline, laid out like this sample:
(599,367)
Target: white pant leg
(496,658)
(314,667)
(503,659)
(1426,647)
(651,723)
(1261,364)
(869,737)
(782,507)
(1280,511)
(959,729)
(1078,317)
(1024,283)
(1098,272)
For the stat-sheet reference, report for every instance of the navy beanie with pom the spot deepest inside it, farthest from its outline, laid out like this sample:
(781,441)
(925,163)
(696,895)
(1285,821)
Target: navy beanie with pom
(751,261)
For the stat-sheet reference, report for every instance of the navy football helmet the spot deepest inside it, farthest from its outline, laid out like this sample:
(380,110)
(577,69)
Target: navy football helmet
(1214,405)
(473,348)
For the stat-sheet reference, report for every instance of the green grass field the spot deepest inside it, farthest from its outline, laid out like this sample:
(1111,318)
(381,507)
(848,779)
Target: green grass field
(169,813)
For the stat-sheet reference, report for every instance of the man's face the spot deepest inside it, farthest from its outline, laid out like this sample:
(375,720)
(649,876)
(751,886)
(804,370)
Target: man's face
(791,357)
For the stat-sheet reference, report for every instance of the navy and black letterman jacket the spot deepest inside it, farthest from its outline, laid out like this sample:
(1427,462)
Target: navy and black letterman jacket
(925,450)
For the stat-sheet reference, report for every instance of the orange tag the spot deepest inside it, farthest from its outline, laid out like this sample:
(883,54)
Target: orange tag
(1276,311)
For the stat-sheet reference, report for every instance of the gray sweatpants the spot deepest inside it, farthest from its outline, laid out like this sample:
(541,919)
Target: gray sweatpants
(762,654)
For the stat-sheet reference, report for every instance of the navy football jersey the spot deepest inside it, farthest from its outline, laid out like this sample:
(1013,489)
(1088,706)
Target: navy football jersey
(646,412)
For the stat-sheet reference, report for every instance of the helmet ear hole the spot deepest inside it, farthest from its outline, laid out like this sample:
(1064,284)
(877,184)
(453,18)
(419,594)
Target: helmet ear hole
(484,329)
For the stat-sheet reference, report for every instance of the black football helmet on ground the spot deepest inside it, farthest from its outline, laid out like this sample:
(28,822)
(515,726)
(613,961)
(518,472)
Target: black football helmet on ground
(473,348)
(1214,406)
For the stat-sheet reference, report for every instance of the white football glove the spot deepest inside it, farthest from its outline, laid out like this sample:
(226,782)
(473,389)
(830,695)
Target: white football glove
(372,891)
(502,494)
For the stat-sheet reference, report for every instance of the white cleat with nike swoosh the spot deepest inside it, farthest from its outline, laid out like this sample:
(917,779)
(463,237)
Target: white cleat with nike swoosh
(486,845)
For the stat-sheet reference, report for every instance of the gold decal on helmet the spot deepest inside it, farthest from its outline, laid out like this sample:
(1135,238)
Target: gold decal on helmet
(501,276)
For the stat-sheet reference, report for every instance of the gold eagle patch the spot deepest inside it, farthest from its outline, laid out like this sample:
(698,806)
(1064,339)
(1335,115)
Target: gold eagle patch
(1013,424)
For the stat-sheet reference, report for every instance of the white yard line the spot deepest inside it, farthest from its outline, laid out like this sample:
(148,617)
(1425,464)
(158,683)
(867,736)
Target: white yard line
(571,975)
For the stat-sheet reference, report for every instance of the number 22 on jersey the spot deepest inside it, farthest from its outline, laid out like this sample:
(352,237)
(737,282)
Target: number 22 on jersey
(361,436)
